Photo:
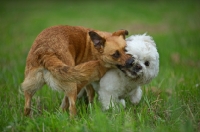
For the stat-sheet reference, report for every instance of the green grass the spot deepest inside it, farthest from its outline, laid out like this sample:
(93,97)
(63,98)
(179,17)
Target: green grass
(169,103)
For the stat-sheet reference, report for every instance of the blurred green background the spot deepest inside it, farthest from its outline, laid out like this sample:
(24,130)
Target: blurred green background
(175,27)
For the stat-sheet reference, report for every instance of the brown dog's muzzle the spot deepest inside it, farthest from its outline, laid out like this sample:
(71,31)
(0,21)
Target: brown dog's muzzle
(129,62)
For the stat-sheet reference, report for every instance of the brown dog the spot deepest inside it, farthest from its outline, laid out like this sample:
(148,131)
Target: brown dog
(66,56)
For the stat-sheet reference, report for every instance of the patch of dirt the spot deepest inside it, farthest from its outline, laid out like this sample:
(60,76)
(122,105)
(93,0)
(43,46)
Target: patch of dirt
(175,57)
(177,60)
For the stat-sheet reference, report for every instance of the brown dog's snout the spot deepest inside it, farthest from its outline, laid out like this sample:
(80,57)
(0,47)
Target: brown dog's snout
(129,62)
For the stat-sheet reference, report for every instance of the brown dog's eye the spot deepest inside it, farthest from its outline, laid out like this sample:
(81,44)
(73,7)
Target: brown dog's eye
(116,54)
(147,63)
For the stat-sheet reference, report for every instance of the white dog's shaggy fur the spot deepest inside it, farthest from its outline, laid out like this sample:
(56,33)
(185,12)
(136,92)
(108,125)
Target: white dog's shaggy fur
(117,84)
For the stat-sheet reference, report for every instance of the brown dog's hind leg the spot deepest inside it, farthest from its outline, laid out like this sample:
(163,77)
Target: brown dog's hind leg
(65,104)
(72,96)
(27,107)
(69,101)
(31,84)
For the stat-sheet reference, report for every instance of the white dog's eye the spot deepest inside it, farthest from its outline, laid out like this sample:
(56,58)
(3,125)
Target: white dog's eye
(147,63)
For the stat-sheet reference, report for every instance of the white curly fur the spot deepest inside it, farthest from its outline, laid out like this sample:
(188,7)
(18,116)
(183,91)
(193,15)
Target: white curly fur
(115,85)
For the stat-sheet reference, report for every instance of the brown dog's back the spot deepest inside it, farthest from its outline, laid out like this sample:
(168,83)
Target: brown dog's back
(58,49)
(64,42)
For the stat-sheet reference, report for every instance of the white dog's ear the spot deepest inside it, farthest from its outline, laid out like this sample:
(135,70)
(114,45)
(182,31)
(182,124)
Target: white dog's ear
(149,39)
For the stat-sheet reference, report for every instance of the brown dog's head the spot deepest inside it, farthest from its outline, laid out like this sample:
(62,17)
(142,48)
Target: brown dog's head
(111,48)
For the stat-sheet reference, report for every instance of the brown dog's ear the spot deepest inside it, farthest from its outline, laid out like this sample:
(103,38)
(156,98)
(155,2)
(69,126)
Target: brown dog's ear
(97,40)
(120,32)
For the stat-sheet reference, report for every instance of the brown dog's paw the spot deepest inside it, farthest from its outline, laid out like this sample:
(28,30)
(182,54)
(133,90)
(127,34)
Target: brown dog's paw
(27,111)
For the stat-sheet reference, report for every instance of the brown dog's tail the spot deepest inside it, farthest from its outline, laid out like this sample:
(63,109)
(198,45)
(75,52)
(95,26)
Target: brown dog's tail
(83,72)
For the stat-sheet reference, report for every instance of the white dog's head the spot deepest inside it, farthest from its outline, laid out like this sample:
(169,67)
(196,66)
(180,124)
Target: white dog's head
(146,58)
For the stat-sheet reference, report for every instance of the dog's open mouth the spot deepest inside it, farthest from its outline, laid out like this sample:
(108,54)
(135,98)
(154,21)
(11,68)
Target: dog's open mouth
(129,72)
(121,68)
(133,72)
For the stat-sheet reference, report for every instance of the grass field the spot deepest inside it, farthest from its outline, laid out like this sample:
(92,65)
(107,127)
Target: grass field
(171,102)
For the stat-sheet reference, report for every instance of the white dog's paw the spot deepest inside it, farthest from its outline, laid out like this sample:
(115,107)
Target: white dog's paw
(105,99)
(136,96)
(122,101)
(107,106)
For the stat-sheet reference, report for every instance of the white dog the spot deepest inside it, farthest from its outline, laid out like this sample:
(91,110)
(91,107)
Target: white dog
(117,84)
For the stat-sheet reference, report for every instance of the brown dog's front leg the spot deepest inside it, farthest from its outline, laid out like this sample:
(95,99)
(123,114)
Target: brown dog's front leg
(90,92)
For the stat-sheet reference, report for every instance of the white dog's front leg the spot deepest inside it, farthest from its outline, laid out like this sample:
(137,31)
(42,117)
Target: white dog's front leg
(106,100)
(122,101)
(136,95)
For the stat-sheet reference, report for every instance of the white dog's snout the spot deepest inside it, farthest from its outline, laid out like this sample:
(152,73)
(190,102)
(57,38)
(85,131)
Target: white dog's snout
(136,61)
(138,67)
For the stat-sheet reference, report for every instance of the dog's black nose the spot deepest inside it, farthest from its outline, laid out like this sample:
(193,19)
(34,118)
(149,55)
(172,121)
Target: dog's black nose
(138,68)
(129,62)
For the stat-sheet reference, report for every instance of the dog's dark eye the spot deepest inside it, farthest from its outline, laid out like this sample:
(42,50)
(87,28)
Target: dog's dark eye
(147,63)
(116,54)
(125,50)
